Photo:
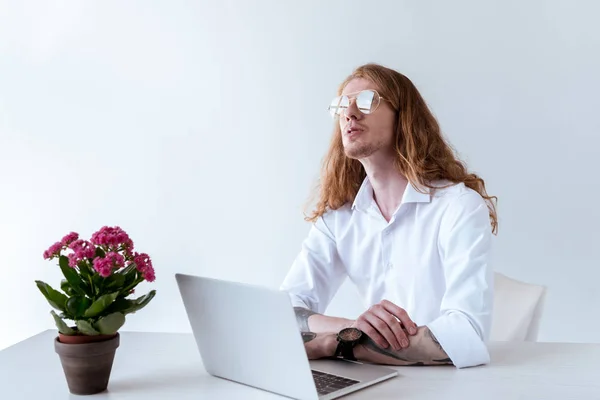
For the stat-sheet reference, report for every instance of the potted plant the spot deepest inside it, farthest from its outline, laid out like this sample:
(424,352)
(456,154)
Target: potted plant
(100,275)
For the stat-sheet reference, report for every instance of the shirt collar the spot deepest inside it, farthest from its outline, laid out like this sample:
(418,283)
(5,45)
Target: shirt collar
(364,197)
(412,195)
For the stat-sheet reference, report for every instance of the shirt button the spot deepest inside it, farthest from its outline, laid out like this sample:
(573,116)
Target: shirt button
(390,265)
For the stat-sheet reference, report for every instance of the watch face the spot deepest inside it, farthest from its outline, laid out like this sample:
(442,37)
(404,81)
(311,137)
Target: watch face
(350,334)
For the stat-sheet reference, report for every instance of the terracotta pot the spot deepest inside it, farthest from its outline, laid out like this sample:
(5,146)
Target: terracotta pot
(87,361)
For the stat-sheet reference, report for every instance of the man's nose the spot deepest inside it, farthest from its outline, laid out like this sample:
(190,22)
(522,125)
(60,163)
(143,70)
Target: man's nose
(352,111)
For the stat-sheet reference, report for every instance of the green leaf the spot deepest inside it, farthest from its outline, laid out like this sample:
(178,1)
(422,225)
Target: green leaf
(114,282)
(86,278)
(71,274)
(127,306)
(143,301)
(63,261)
(100,253)
(120,305)
(85,327)
(65,287)
(55,298)
(110,324)
(131,275)
(61,325)
(77,305)
(85,269)
(100,304)
(97,282)
(128,269)
(132,279)
(87,288)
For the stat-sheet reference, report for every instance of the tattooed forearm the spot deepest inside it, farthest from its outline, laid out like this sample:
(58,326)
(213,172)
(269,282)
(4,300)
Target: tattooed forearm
(302,315)
(424,349)
(430,335)
(371,345)
(319,345)
(308,336)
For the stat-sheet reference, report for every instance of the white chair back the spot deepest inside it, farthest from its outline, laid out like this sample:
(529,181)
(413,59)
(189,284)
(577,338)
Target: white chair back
(518,308)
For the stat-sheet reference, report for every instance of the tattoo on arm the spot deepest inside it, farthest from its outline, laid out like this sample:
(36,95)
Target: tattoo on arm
(371,345)
(308,336)
(429,334)
(302,315)
(417,354)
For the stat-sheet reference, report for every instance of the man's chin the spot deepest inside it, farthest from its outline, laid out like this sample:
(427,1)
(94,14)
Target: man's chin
(357,153)
(353,156)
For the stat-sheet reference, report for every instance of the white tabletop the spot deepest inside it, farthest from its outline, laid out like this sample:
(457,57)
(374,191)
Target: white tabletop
(168,366)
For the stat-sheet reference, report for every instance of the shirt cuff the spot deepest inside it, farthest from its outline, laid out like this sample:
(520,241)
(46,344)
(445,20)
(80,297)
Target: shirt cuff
(459,340)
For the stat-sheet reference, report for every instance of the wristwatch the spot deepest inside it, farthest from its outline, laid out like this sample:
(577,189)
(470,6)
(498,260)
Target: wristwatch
(347,338)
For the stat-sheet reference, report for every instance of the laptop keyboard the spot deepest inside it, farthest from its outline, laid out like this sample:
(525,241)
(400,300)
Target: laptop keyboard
(328,383)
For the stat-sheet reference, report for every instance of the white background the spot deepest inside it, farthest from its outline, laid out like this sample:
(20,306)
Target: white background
(199,128)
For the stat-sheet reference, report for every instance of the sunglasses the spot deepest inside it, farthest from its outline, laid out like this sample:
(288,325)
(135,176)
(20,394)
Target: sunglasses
(367,102)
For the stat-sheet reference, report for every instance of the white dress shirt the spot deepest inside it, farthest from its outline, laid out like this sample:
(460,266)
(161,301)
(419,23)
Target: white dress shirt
(432,259)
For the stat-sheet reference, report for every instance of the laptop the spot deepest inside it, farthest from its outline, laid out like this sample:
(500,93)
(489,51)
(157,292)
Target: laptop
(249,334)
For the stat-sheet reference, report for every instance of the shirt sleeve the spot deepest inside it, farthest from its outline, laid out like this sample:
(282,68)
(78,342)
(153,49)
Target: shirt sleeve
(317,272)
(463,326)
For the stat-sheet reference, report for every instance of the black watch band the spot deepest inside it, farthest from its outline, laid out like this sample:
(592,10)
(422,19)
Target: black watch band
(345,350)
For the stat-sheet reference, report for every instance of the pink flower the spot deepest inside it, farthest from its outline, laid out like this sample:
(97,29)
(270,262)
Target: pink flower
(112,237)
(102,265)
(73,260)
(117,260)
(149,275)
(70,238)
(83,249)
(106,265)
(53,251)
(57,247)
(144,265)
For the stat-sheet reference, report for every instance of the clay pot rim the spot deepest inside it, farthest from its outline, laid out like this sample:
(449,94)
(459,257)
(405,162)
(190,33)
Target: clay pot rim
(82,338)
(62,335)
(88,348)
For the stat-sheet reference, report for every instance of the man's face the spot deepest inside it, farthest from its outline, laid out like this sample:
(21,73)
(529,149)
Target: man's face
(364,135)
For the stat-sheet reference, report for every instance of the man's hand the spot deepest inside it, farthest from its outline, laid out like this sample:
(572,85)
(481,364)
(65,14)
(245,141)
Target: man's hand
(385,323)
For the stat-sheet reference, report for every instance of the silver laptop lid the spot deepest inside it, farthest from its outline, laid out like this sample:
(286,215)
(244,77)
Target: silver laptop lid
(247,334)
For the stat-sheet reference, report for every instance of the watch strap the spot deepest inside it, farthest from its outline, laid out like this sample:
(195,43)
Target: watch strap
(345,350)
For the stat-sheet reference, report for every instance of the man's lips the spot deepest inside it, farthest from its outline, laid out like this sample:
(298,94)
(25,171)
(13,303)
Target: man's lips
(353,130)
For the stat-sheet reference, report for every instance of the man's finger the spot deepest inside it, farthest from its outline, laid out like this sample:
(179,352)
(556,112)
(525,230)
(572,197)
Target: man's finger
(402,315)
(394,326)
(383,329)
(372,333)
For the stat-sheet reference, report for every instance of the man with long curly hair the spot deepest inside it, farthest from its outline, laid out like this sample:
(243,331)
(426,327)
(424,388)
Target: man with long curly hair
(407,223)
